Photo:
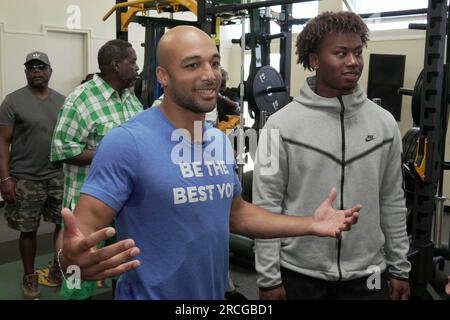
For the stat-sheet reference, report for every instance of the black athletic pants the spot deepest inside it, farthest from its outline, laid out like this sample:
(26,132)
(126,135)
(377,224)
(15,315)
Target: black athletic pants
(301,287)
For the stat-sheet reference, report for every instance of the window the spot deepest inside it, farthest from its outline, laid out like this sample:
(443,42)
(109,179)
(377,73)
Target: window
(375,22)
(299,11)
(370,6)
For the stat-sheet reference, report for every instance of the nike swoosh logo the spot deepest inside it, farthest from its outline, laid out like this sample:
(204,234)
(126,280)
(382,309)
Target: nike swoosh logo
(370,138)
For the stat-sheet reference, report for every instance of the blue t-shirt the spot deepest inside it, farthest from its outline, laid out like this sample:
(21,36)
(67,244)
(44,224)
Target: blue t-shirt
(174,199)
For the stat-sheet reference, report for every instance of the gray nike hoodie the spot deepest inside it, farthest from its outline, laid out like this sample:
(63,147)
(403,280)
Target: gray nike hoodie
(346,142)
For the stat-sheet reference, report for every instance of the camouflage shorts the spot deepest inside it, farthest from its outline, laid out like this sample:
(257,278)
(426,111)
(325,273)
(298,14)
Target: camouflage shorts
(37,198)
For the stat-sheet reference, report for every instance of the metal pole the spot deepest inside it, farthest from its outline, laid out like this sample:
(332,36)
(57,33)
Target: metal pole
(431,115)
(286,46)
(252,5)
(262,119)
(377,101)
(444,121)
(397,13)
(123,35)
(438,221)
(240,138)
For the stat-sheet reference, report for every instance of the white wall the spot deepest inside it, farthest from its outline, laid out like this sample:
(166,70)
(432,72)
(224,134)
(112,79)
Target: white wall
(28,25)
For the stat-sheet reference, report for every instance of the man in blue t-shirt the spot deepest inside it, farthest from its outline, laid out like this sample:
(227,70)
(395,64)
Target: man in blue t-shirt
(170,183)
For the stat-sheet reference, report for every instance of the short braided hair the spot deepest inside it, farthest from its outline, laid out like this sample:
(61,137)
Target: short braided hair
(324,24)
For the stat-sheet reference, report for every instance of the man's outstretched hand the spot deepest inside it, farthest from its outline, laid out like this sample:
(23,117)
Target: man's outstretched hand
(328,222)
(95,264)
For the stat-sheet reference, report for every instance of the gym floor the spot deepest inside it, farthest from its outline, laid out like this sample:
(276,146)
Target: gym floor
(11,269)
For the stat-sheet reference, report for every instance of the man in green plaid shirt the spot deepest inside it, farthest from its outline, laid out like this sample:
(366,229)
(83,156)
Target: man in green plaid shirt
(87,115)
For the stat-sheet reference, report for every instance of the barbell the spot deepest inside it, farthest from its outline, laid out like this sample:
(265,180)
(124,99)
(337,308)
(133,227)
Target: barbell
(265,90)
(416,95)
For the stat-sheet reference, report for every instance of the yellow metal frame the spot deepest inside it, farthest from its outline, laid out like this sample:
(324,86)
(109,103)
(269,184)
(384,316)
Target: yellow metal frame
(144,5)
(421,158)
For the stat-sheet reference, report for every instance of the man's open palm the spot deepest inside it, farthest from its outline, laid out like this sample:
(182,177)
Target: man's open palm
(328,222)
(96,264)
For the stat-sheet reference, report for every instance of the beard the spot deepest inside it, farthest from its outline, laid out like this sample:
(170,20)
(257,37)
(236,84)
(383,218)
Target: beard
(128,82)
(191,104)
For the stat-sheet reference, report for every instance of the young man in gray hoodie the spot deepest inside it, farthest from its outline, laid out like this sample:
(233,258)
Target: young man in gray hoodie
(332,135)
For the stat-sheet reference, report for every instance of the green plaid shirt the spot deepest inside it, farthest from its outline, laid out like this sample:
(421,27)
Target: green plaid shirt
(87,115)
